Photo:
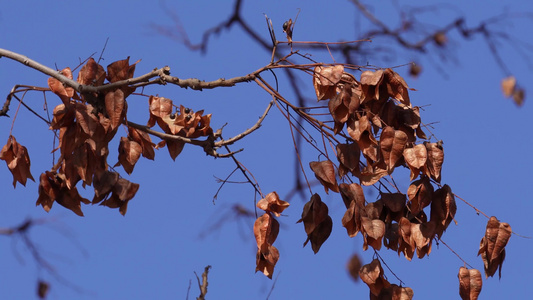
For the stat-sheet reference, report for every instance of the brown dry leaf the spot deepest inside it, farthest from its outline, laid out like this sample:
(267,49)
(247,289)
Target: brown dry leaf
(344,104)
(518,96)
(372,275)
(443,209)
(325,79)
(272,203)
(370,82)
(391,240)
(410,116)
(395,292)
(373,232)
(396,87)
(348,156)
(123,191)
(422,236)
(434,160)
(320,234)
(406,244)
(508,86)
(352,192)
(18,161)
(492,246)
(317,223)
(53,187)
(159,108)
(86,119)
(470,283)
(325,173)
(353,266)
(129,152)
(420,194)
(370,175)
(395,202)
(415,158)
(92,73)
(120,70)
(116,107)
(392,145)
(315,211)
(103,185)
(352,218)
(42,289)
(266,230)
(361,132)
(266,261)
(174,148)
(144,140)
(63,116)
(65,93)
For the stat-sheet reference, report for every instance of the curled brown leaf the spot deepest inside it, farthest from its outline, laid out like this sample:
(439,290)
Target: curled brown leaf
(470,283)
(272,203)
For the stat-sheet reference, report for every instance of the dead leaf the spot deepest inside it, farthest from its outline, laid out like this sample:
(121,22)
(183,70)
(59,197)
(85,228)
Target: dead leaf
(372,275)
(123,191)
(518,96)
(325,173)
(415,158)
(265,262)
(353,266)
(508,86)
(443,209)
(370,175)
(325,79)
(396,87)
(272,203)
(57,87)
(470,283)
(53,187)
(317,222)
(120,70)
(435,159)
(361,132)
(492,246)
(103,185)
(63,116)
(395,292)
(370,82)
(129,152)
(392,145)
(42,289)
(266,230)
(420,195)
(422,236)
(115,105)
(143,139)
(352,192)
(92,74)
(18,161)
(373,232)
(174,148)
(348,156)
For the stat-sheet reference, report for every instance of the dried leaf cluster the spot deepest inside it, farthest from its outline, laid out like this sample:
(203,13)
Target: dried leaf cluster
(384,131)
(85,124)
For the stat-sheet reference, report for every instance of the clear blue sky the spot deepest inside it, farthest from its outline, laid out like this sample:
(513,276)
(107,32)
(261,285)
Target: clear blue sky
(153,251)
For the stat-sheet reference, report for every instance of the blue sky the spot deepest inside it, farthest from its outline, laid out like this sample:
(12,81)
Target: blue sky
(155,249)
